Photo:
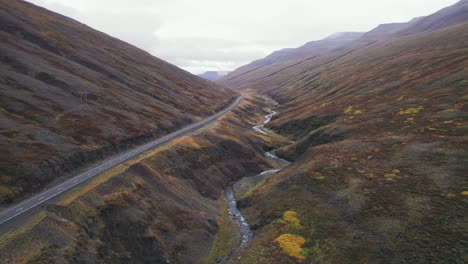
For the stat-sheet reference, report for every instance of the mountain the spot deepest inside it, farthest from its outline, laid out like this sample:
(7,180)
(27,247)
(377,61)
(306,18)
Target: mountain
(449,16)
(262,73)
(71,95)
(286,58)
(315,48)
(213,75)
(385,31)
(378,129)
(307,50)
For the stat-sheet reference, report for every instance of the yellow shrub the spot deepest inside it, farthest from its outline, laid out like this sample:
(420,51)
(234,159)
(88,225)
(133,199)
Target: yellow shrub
(192,143)
(291,245)
(412,110)
(348,110)
(319,176)
(351,111)
(290,217)
(394,173)
(410,120)
(6,192)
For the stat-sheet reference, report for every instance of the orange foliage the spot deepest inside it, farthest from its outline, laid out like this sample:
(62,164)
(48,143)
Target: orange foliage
(291,245)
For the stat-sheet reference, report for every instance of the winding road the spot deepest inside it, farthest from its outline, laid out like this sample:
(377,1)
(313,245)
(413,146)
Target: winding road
(18,209)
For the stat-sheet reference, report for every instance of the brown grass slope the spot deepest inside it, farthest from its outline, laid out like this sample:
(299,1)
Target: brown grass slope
(380,157)
(47,126)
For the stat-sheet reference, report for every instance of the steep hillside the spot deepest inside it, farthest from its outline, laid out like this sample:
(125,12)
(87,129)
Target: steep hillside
(71,95)
(379,158)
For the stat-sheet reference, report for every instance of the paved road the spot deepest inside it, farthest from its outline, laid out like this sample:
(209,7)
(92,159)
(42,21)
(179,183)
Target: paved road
(12,212)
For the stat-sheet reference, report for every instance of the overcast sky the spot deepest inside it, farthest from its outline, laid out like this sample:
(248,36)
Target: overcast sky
(201,35)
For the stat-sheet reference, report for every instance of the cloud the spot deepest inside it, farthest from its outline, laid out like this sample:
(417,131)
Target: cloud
(206,53)
(223,35)
(138,29)
(135,24)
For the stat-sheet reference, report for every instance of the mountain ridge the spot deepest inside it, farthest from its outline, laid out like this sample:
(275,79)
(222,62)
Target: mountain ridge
(257,70)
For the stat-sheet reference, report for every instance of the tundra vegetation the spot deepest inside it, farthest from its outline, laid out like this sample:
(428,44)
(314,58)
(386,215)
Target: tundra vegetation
(378,130)
(375,125)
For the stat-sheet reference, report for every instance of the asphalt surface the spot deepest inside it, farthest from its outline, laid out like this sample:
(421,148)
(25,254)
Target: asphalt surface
(38,199)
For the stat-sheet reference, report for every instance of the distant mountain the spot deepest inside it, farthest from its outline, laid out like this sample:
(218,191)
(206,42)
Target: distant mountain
(70,95)
(312,48)
(287,57)
(449,16)
(263,72)
(330,43)
(384,31)
(213,75)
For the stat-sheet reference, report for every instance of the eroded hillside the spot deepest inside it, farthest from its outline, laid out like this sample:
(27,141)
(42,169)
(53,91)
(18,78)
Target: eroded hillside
(71,95)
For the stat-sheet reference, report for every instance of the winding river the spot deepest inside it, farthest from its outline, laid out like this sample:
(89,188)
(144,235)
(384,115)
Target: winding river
(234,212)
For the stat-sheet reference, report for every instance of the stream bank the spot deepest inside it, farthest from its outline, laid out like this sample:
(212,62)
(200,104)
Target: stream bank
(246,184)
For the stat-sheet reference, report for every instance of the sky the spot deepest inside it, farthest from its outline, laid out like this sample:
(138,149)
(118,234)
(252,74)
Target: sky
(202,35)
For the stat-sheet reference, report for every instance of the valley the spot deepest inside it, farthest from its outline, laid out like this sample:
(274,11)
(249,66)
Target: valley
(350,149)
(243,186)
(172,170)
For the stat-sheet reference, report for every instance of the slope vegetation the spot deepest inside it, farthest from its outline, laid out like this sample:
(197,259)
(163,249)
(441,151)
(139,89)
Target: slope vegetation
(71,95)
(379,153)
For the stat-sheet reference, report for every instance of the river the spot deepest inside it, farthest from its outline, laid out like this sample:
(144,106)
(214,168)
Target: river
(234,212)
